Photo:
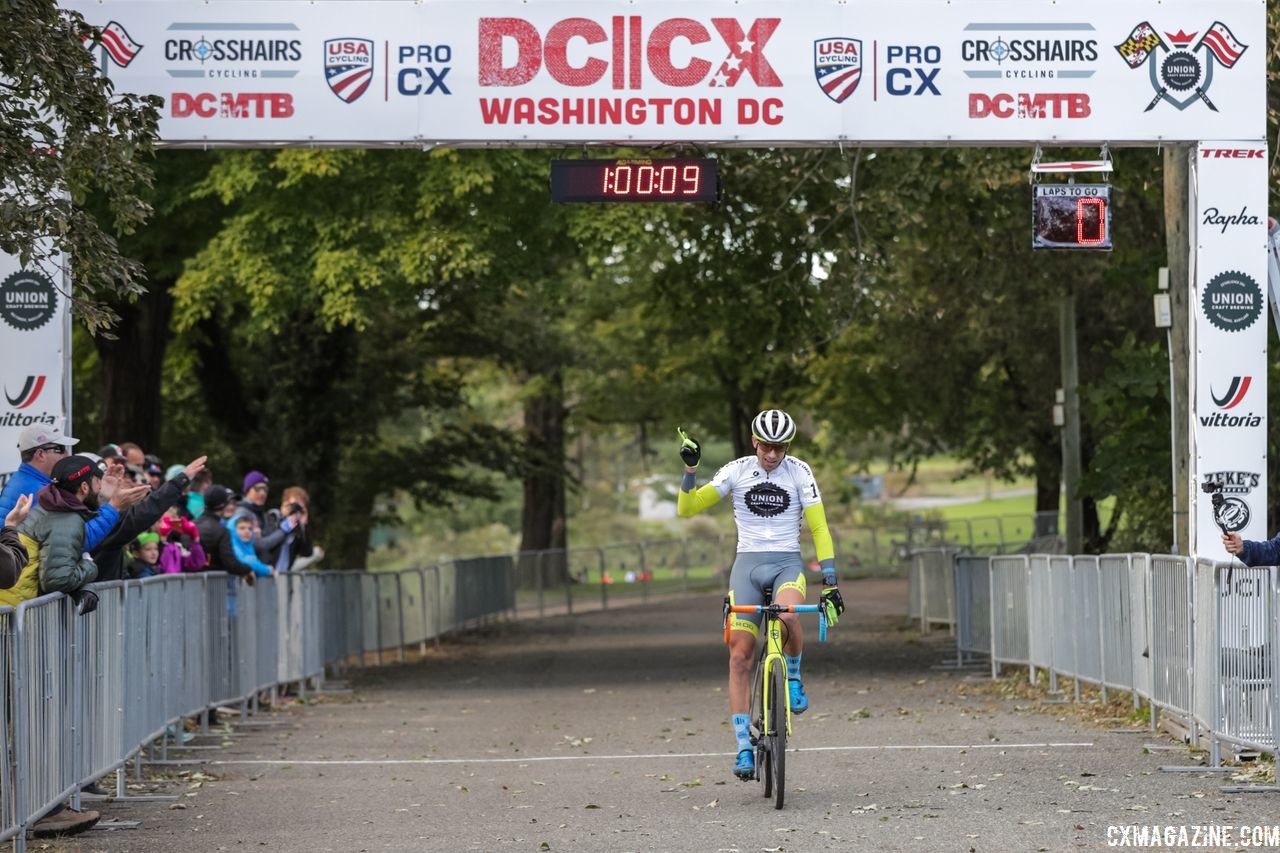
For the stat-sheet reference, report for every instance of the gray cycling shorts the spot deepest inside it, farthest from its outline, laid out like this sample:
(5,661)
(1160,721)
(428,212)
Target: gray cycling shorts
(753,572)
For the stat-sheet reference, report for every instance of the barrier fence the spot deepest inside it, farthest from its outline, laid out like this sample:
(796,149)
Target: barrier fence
(1195,639)
(83,695)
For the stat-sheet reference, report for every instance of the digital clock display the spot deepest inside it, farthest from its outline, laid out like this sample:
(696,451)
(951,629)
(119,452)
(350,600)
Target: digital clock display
(1071,216)
(679,179)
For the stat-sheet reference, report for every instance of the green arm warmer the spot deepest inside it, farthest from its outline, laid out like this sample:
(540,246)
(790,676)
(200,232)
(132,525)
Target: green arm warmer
(816,516)
(691,503)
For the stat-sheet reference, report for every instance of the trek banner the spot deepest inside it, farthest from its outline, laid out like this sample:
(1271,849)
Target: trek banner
(460,72)
(1229,344)
(34,335)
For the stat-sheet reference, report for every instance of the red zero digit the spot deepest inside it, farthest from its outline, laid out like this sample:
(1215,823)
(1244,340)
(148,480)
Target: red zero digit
(644,180)
(667,180)
(692,177)
(1091,221)
(622,180)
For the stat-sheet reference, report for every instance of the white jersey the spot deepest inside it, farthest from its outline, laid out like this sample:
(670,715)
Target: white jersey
(768,506)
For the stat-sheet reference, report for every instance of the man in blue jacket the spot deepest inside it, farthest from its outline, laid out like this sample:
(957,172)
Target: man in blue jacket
(40,447)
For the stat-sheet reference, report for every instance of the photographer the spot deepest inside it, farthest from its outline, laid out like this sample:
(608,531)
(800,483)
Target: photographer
(285,536)
(1251,552)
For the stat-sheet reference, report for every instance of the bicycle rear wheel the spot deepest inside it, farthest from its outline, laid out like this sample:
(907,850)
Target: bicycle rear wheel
(778,736)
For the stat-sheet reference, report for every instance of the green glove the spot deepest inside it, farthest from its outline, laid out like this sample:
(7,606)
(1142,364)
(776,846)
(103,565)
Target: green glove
(690,450)
(832,605)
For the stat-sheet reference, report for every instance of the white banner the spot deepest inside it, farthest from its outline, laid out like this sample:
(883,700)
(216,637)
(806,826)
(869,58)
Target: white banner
(462,71)
(1229,350)
(34,328)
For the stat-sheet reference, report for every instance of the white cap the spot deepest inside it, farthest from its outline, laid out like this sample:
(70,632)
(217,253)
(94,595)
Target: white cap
(38,435)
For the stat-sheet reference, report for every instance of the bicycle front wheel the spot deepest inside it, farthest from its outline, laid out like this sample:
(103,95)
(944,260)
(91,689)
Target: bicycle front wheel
(778,735)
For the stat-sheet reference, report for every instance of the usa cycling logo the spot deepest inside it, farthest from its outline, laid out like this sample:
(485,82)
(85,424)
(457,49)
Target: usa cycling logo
(1235,392)
(29,394)
(348,67)
(1182,73)
(837,65)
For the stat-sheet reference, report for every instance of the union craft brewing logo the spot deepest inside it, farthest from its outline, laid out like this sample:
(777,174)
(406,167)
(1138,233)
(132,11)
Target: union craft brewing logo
(348,67)
(1178,75)
(28,300)
(1232,301)
(767,499)
(837,64)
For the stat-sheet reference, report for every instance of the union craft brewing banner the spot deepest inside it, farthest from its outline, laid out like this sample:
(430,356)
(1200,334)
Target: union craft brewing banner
(1229,397)
(33,326)
(730,71)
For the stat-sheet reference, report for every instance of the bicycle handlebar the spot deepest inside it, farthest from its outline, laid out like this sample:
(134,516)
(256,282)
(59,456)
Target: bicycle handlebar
(780,608)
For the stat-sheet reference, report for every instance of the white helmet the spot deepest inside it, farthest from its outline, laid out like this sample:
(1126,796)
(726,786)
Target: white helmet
(773,426)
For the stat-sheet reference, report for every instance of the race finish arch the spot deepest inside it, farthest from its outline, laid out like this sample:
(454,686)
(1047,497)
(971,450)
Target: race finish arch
(722,73)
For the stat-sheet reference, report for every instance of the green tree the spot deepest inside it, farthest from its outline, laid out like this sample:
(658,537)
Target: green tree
(65,135)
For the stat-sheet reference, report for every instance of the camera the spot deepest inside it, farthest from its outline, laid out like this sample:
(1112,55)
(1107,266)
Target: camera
(293,507)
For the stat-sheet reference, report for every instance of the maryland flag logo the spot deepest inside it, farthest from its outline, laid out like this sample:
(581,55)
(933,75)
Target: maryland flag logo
(1182,73)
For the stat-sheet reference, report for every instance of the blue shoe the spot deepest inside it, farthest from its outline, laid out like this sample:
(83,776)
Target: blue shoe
(745,769)
(799,701)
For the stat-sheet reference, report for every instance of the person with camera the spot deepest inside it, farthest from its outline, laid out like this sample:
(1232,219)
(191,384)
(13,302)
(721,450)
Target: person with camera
(285,535)
(1252,552)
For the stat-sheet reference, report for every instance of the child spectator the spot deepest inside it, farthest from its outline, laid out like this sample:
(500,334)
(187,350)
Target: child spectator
(242,527)
(181,551)
(146,556)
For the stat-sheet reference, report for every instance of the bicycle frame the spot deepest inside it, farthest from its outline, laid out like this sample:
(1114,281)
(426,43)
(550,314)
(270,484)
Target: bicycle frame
(771,653)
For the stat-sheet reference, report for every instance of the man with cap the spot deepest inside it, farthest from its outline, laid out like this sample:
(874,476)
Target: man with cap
(54,535)
(40,447)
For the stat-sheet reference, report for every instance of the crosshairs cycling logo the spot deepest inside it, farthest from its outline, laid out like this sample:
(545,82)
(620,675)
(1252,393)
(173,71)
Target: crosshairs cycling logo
(1181,74)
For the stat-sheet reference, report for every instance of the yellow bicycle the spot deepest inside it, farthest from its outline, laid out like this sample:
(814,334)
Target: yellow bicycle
(772,724)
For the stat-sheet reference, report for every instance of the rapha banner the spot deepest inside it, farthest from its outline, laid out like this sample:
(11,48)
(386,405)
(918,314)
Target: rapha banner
(33,350)
(1228,298)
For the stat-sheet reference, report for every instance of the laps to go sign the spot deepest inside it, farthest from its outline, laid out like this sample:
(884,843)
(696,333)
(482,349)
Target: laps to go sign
(1071,216)
(677,179)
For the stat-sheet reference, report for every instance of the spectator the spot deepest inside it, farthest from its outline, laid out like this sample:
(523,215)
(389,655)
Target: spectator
(180,551)
(195,495)
(13,554)
(244,532)
(134,460)
(110,554)
(118,495)
(112,454)
(146,556)
(255,491)
(40,447)
(216,538)
(154,470)
(54,530)
(285,536)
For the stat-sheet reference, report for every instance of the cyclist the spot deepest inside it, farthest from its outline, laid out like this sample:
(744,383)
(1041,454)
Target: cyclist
(771,491)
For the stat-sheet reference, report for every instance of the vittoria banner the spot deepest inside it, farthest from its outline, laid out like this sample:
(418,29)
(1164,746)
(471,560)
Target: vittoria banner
(33,346)
(1229,347)
(547,71)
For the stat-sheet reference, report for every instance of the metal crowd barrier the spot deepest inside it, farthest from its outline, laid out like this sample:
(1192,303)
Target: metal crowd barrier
(1196,639)
(83,695)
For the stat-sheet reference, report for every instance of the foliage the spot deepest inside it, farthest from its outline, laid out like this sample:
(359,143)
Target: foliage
(65,135)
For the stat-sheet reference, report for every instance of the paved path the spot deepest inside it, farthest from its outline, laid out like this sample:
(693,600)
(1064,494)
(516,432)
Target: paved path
(607,732)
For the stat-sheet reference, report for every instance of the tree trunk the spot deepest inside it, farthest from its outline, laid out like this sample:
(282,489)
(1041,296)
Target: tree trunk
(542,523)
(132,367)
(1048,468)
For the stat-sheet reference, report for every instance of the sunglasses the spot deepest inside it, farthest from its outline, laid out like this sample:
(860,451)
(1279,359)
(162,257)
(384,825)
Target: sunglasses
(60,449)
